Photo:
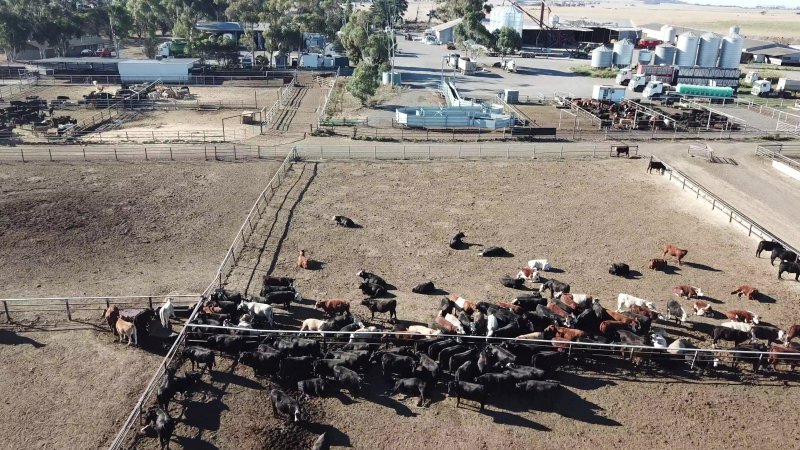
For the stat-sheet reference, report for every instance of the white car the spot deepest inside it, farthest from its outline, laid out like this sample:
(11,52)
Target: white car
(87,52)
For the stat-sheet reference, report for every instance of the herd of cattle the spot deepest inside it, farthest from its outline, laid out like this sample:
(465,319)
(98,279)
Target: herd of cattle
(474,350)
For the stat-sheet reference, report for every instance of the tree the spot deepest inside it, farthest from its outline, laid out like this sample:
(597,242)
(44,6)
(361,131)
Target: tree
(355,35)
(15,28)
(388,12)
(120,23)
(364,82)
(508,41)
(378,48)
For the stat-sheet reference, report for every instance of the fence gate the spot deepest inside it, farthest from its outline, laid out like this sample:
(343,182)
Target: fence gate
(701,150)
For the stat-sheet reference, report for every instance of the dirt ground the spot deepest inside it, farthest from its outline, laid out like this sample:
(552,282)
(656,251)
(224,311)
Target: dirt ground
(120,228)
(67,389)
(581,215)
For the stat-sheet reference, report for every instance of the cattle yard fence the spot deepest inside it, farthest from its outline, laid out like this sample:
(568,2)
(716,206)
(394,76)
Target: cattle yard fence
(139,152)
(228,262)
(774,153)
(70,305)
(753,228)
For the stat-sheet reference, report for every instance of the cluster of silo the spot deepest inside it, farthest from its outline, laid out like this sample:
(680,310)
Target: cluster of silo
(623,53)
(602,57)
(708,50)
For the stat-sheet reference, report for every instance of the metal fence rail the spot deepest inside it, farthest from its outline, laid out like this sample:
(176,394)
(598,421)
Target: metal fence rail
(766,152)
(228,262)
(73,304)
(752,227)
(146,152)
(322,117)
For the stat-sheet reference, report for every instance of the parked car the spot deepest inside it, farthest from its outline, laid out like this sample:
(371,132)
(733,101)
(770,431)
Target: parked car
(451,46)
(104,52)
(87,52)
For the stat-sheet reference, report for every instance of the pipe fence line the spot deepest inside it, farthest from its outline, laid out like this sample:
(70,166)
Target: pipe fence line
(765,152)
(228,262)
(285,92)
(321,117)
(734,215)
(72,304)
(146,152)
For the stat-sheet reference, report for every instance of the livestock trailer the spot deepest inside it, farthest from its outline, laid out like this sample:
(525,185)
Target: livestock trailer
(148,70)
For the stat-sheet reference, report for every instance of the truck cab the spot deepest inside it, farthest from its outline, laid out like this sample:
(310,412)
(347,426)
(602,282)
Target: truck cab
(654,89)
(761,88)
(624,76)
(638,83)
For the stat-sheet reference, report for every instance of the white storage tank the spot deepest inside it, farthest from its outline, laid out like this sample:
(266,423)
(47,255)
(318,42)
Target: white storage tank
(623,53)
(665,55)
(733,30)
(668,33)
(708,50)
(505,16)
(602,57)
(687,49)
(393,78)
(554,21)
(730,53)
(645,56)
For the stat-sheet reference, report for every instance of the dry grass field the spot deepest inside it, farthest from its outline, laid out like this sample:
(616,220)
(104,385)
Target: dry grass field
(580,214)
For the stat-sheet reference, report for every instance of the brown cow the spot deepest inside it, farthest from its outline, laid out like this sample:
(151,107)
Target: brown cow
(619,317)
(577,306)
(749,291)
(641,310)
(446,326)
(687,291)
(514,308)
(332,307)
(465,305)
(302,260)
(793,332)
(702,308)
(657,264)
(779,353)
(611,326)
(740,315)
(672,250)
(555,309)
(570,334)
(111,315)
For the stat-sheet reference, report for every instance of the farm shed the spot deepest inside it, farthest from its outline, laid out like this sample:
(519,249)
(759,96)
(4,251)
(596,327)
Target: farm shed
(446,32)
(780,56)
(149,70)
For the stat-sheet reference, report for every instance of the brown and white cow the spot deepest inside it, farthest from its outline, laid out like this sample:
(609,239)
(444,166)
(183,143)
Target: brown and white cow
(741,315)
(675,251)
(463,304)
(748,291)
(529,274)
(702,308)
(688,291)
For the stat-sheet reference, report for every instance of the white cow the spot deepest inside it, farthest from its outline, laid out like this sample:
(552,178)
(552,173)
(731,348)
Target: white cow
(311,325)
(541,264)
(258,310)
(741,326)
(165,312)
(625,301)
(491,325)
(423,330)
(370,330)
(534,335)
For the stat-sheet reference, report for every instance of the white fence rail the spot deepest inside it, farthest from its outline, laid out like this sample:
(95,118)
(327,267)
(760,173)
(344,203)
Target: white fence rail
(70,305)
(767,152)
(228,262)
(752,227)
(323,112)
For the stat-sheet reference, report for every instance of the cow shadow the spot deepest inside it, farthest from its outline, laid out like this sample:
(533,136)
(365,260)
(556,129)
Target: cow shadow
(702,327)
(343,398)
(573,406)
(510,419)
(465,246)
(194,443)
(437,291)
(710,299)
(633,275)
(8,337)
(764,298)
(576,381)
(204,415)
(505,254)
(315,265)
(333,435)
(671,270)
(699,266)
(555,270)
(236,379)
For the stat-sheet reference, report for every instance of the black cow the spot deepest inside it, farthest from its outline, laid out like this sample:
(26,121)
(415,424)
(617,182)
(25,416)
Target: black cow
(529,302)
(496,382)
(222,294)
(752,358)
(428,368)
(297,346)
(447,353)
(278,281)
(370,277)
(456,242)
(490,252)
(769,334)
(261,362)
(767,246)
(372,289)
(790,267)
(410,387)
(467,371)
(783,255)
(469,391)
(266,289)
(354,359)
(164,425)
(656,165)
(436,347)
(285,404)
(381,306)
(538,388)
(548,361)
(392,363)
(293,368)
(554,286)
(728,334)
(199,355)
(314,387)
(284,298)
(324,367)
(525,373)
(349,379)
(513,283)
(231,345)
(343,221)
(426,288)
(458,359)
(172,384)
(524,352)
(619,269)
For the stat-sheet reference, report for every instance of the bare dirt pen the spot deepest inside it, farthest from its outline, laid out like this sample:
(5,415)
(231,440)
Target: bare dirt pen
(582,215)
(120,228)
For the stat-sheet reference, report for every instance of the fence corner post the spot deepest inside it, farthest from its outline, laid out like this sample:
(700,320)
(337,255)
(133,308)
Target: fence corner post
(69,313)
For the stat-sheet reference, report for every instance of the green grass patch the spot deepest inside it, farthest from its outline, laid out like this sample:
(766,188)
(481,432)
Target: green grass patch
(596,73)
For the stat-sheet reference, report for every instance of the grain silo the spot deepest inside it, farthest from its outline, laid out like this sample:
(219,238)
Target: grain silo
(668,33)
(730,53)
(645,56)
(708,50)
(665,55)
(687,49)
(733,30)
(623,53)
(602,57)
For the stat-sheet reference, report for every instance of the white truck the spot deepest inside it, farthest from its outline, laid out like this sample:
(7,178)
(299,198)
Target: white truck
(467,66)
(786,85)
(656,89)
(605,92)
(784,88)
(761,88)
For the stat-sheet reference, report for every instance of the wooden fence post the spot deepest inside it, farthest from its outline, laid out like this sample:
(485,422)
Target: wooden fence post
(69,313)
(84,153)
(115,154)
(215,153)
(205,152)
(150,302)
(145,154)
(22,154)
(234,151)
(50,152)
(170,153)
(5,307)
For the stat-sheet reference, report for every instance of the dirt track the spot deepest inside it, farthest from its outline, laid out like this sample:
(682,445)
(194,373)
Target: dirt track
(582,216)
